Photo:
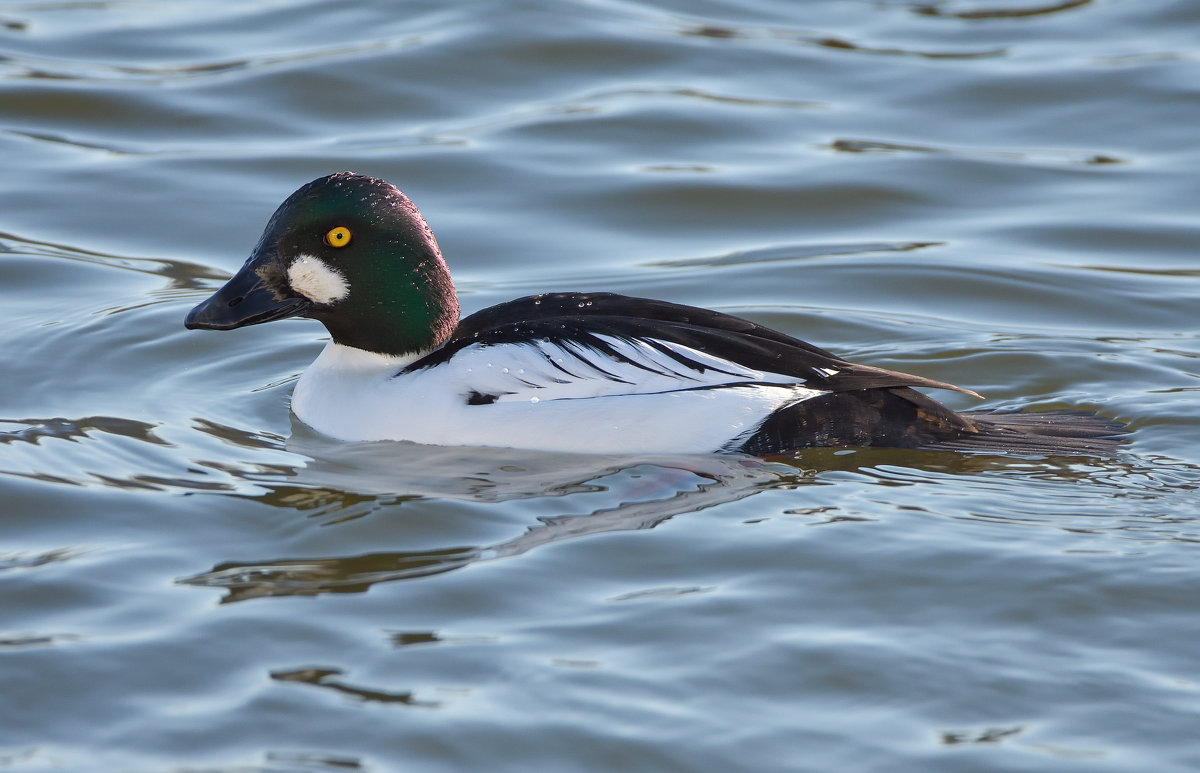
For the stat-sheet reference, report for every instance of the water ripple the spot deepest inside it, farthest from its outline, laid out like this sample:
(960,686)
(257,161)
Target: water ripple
(20,67)
(29,640)
(184,276)
(990,190)
(724,32)
(939,9)
(12,561)
(1037,156)
(793,252)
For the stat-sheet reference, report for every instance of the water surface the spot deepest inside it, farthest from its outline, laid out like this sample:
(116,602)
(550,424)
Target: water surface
(997,194)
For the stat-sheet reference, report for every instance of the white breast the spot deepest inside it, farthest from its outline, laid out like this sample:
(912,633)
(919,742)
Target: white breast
(547,396)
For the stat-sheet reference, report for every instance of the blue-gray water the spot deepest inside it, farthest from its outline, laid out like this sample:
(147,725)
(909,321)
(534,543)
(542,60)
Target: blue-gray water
(998,194)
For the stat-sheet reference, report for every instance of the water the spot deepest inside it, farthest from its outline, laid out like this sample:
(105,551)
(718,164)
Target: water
(997,194)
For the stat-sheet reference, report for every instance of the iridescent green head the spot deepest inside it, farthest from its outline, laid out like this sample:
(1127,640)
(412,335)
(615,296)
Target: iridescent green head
(352,252)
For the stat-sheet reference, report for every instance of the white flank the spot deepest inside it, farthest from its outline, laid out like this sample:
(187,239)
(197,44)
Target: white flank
(544,397)
(317,280)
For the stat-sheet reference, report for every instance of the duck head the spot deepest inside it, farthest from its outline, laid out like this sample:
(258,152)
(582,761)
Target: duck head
(353,253)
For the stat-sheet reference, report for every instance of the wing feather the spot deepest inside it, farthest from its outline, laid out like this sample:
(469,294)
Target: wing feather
(602,366)
(624,339)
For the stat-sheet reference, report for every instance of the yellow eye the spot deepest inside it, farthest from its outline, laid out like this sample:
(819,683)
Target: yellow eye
(338,237)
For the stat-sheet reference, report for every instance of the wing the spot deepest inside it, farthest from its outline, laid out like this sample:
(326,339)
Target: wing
(589,365)
(616,338)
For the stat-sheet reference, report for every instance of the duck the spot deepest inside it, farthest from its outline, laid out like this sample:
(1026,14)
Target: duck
(572,372)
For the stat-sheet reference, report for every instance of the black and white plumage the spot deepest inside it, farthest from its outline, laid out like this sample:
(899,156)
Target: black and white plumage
(607,373)
(576,372)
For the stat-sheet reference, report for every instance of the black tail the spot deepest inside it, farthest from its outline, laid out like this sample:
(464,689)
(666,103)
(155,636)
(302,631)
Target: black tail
(1052,433)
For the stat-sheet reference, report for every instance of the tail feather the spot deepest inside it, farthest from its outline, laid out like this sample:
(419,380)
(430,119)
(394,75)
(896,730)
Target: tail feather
(1052,433)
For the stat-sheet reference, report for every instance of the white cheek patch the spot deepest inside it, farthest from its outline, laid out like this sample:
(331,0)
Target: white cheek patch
(317,280)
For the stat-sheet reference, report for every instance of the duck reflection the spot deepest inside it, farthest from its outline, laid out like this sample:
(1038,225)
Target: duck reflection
(639,493)
(343,481)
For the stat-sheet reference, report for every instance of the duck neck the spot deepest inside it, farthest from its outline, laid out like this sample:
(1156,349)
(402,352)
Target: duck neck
(340,358)
(409,311)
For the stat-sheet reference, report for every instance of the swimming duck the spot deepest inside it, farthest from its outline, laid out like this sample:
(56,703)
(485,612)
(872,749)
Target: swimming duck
(571,372)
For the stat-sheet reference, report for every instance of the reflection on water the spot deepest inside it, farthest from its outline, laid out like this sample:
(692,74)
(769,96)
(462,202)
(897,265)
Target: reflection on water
(637,494)
(334,483)
(320,677)
(475,474)
(34,430)
(341,482)
(338,481)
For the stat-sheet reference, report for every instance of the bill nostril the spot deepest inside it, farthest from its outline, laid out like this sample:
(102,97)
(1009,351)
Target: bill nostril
(237,301)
